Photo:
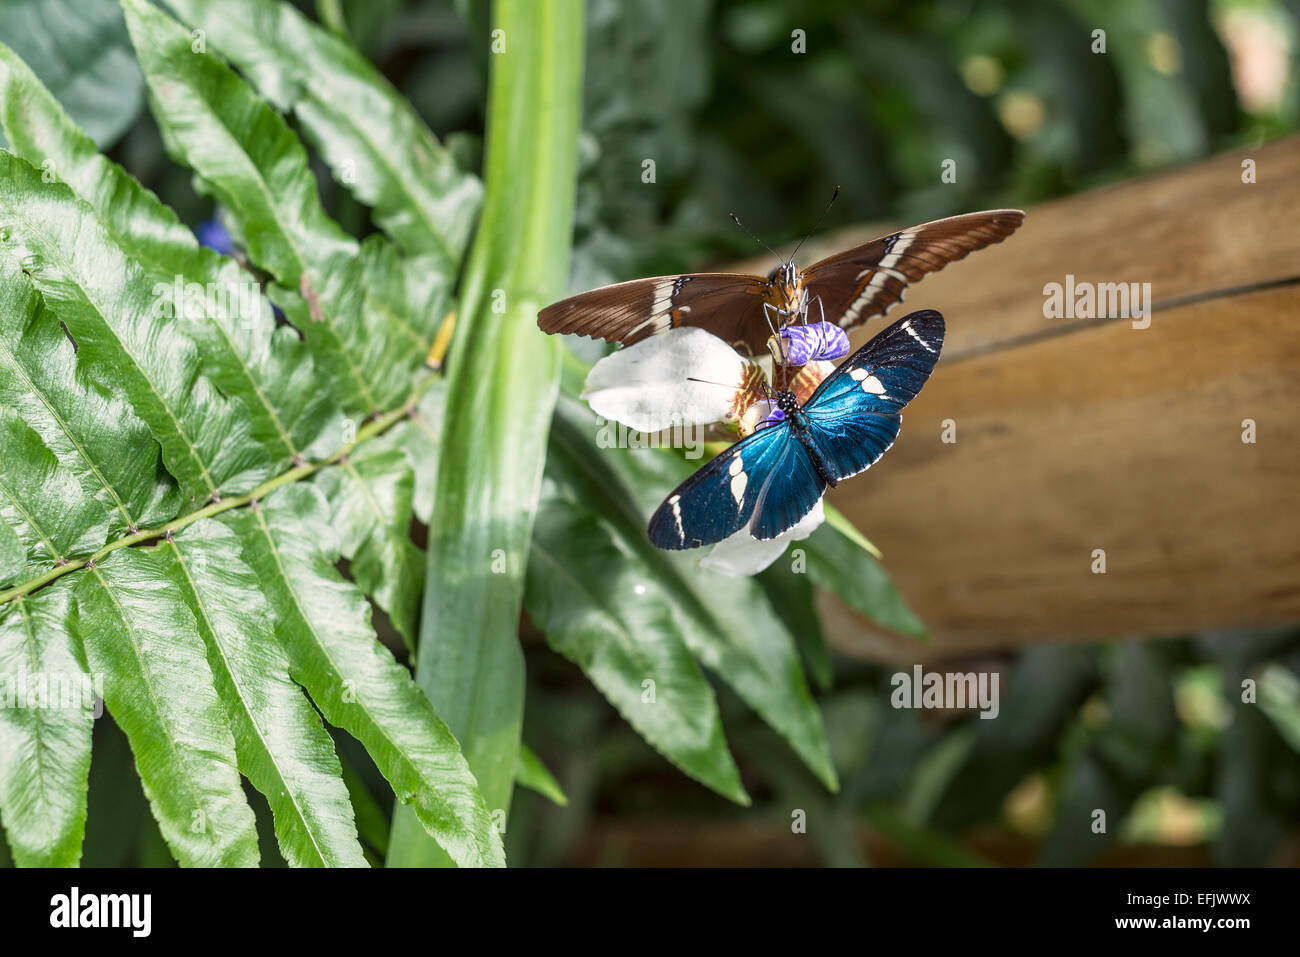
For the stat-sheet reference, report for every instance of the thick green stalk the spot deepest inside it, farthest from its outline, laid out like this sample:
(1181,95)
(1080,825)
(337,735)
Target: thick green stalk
(503,377)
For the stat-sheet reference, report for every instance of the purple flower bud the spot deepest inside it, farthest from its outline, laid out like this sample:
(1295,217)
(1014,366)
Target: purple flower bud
(802,344)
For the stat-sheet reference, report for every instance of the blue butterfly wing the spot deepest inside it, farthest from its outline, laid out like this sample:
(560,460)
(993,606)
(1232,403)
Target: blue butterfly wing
(790,492)
(766,478)
(854,416)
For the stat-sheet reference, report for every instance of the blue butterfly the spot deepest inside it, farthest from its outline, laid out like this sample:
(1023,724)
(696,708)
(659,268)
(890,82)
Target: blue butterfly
(775,477)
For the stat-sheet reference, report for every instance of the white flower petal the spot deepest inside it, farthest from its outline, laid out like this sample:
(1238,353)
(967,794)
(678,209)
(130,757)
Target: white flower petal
(741,554)
(755,416)
(650,386)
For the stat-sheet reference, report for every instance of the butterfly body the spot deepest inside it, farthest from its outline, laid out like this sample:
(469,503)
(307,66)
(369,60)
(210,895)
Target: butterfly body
(786,295)
(799,428)
(847,288)
(772,479)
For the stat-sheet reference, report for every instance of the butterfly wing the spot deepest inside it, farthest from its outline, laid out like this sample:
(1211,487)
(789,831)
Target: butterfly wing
(728,305)
(854,416)
(867,280)
(766,479)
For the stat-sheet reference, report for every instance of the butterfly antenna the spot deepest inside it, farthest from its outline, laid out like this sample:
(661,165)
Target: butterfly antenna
(834,196)
(736,219)
(724,385)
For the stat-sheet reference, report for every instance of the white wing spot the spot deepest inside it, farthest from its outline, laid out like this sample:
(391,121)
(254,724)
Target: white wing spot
(660,323)
(675,502)
(663,296)
(739,481)
(736,467)
(912,332)
(873,385)
(880,272)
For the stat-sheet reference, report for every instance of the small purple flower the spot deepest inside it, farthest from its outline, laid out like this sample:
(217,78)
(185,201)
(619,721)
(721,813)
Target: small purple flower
(802,343)
(212,234)
(774,416)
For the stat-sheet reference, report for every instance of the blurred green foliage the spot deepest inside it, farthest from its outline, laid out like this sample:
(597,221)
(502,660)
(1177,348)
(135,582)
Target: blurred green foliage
(884,92)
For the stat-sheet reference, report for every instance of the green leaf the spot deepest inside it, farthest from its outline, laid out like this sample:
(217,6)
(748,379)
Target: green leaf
(370,496)
(534,775)
(85,429)
(243,352)
(103,384)
(324,623)
(602,607)
(247,156)
(83,55)
(841,565)
(125,344)
(282,747)
(838,521)
(409,294)
(45,743)
(370,136)
(138,631)
(40,131)
(42,502)
(501,387)
(1279,701)
(13,556)
(792,597)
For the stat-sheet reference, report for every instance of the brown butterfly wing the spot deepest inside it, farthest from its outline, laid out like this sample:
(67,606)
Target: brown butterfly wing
(865,281)
(728,305)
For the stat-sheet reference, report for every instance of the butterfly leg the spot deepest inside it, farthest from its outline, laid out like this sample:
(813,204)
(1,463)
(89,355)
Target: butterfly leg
(820,310)
(768,309)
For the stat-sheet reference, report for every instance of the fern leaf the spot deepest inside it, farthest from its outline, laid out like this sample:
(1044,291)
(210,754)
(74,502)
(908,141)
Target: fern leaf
(282,747)
(249,158)
(138,631)
(13,555)
(420,436)
(370,495)
(84,428)
(371,137)
(124,342)
(39,130)
(242,350)
(44,750)
(42,502)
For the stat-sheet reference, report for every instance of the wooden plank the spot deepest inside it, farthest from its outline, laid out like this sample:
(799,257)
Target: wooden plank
(1108,437)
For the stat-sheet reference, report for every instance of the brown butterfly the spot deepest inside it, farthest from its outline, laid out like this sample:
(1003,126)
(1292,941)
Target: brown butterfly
(847,288)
